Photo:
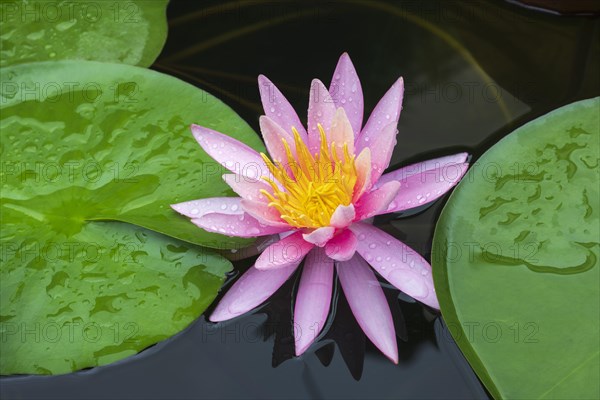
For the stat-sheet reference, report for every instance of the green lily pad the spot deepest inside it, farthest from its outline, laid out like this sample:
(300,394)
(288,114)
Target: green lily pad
(85,141)
(515,259)
(72,300)
(129,32)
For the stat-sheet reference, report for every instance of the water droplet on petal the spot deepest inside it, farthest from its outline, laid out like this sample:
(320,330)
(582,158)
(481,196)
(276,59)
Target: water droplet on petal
(416,287)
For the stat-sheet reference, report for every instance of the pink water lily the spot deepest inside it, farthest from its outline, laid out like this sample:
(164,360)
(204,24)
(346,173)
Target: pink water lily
(317,194)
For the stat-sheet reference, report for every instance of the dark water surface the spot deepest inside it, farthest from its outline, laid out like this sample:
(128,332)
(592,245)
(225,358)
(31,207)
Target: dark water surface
(473,71)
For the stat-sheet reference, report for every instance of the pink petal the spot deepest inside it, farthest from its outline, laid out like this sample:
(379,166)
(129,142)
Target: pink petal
(341,133)
(289,250)
(342,216)
(321,110)
(252,289)
(230,153)
(369,305)
(198,208)
(425,187)
(342,247)
(346,91)
(278,108)
(240,225)
(363,173)
(377,201)
(263,213)
(313,299)
(248,188)
(382,147)
(386,111)
(396,262)
(405,172)
(320,236)
(274,135)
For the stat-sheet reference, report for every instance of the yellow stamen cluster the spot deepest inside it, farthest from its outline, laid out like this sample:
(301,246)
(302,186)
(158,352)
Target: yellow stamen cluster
(310,186)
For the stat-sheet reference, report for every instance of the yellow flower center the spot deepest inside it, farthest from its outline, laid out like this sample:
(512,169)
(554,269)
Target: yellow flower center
(311,186)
